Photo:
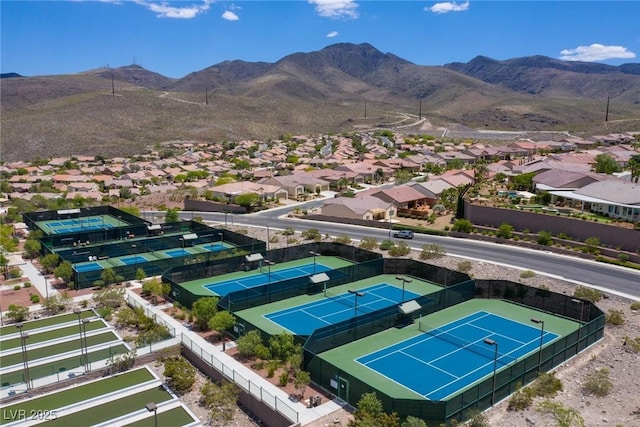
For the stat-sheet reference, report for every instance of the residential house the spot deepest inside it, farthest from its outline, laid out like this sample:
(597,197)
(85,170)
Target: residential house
(431,189)
(265,191)
(359,207)
(403,196)
(298,184)
(612,197)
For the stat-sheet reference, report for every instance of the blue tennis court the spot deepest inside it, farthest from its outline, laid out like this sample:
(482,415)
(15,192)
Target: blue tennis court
(304,319)
(449,358)
(89,266)
(264,278)
(175,253)
(132,259)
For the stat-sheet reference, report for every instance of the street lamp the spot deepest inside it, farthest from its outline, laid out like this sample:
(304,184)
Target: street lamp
(23,347)
(315,254)
(268,238)
(489,341)
(46,286)
(152,407)
(579,301)
(356,294)
(404,281)
(79,313)
(541,323)
(135,254)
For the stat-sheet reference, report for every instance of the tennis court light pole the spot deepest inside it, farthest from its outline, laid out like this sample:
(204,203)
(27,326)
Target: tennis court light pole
(579,301)
(356,294)
(541,323)
(79,313)
(404,281)
(489,341)
(315,254)
(269,264)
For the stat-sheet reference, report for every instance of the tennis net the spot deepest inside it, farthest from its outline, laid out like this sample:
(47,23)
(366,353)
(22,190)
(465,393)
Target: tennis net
(479,347)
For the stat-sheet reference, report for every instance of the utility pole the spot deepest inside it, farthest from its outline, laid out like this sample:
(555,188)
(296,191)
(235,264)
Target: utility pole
(420,113)
(113,88)
(365,109)
(606,117)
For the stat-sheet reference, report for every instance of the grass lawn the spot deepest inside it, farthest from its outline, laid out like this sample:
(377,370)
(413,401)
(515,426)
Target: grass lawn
(59,366)
(49,321)
(79,393)
(113,409)
(52,334)
(175,417)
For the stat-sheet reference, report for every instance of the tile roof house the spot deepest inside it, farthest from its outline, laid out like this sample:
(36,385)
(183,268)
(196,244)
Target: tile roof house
(432,189)
(297,184)
(557,179)
(359,207)
(402,196)
(612,197)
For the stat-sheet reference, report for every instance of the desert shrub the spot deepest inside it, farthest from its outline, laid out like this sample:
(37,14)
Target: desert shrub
(615,317)
(283,380)
(464,266)
(586,293)
(17,287)
(432,251)
(386,245)
(369,243)
(344,239)
(401,249)
(564,416)
(15,273)
(311,234)
(27,284)
(521,399)
(544,238)
(462,225)
(546,385)
(181,374)
(598,383)
(526,274)
(35,299)
(635,306)
(505,231)
(632,345)
(624,257)
(591,245)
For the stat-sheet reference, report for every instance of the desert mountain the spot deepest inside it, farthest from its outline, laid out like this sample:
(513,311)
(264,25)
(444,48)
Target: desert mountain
(314,92)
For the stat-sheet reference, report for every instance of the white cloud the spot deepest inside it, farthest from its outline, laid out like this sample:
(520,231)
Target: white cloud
(596,52)
(164,10)
(230,16)
(332,34)
(336,8)
(448,6)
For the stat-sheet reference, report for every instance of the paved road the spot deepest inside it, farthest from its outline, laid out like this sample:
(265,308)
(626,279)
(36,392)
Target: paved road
(608,278)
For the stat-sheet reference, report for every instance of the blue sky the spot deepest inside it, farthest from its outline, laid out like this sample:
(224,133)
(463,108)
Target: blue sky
(175,38)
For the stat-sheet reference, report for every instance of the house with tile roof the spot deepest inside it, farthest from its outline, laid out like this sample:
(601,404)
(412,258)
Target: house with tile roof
(614,198)
(359,207)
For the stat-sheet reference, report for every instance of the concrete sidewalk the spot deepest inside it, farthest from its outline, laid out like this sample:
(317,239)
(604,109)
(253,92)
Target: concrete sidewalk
(217,358)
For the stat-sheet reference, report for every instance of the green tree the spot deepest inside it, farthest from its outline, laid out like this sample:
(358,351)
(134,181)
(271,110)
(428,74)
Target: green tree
(545,238)
(108,276)
(49,262)
(17,313)
(413,422)
(281,345)
(64,271)
(524,181)
(370,413)
(248,343)
(301,381)
(32,248)
(152,288)
(221,321)
(140,274)
(204,309)
(605,163)
(462,225)
(248,200)
(634,167)
(171,215)
(56,303)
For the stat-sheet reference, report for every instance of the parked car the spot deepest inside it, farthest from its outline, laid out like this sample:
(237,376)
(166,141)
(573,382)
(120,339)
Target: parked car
(403,234)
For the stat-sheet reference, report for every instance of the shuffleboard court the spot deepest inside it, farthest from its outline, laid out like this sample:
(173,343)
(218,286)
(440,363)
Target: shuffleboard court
(444,360)
(305,318)
(265,277)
